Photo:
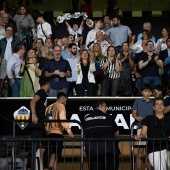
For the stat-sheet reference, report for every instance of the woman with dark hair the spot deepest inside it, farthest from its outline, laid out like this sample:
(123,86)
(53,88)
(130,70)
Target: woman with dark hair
(111,67)
(161,43)
(31,73)
(85,67)
(137,47)
(127,63)
(24,23)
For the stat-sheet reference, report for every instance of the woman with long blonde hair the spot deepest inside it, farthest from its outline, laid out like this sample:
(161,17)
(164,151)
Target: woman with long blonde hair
(30,73)
(85,67)
(98,56)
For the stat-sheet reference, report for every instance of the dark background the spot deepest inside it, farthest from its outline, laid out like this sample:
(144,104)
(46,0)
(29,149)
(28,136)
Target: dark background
(9,106)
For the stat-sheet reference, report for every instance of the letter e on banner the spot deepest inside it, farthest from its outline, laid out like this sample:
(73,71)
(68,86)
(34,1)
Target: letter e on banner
(75,117)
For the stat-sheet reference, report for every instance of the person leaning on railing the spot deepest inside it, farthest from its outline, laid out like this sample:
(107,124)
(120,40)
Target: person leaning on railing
(157,126)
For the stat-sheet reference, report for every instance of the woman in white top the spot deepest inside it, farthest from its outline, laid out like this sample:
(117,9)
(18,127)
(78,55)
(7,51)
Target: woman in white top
(137,47)
(85,67)
(161,43)
(91,36)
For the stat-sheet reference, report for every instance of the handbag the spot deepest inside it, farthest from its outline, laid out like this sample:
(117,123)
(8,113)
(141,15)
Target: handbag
(99,75)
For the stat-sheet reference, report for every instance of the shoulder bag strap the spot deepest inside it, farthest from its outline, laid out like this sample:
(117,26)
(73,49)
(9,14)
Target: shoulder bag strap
(43,31)
(30,79)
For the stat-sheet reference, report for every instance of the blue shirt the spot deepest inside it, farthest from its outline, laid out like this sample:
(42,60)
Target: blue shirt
(119,34)
(72,62)
(62,65)
(65,54)
(143,109)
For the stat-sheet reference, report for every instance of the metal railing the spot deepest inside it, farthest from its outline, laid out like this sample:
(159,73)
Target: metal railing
(14,146)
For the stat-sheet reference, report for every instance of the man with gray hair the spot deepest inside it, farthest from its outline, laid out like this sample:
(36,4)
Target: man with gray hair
(146,26)
(103,43)
(57,70)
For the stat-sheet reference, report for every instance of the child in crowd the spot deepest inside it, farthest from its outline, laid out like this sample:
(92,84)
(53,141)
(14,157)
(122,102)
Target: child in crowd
(140,109)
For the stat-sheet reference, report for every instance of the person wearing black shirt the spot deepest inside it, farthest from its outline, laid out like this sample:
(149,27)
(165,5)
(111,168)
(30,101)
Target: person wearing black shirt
(38,106)
(157,126)
(102,155)
(149,63)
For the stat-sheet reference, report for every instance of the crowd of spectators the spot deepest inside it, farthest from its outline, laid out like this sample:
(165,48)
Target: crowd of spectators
(99,64)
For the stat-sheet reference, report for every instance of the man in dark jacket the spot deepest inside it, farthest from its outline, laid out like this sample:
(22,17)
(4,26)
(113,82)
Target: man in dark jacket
(7,45)
(102,155)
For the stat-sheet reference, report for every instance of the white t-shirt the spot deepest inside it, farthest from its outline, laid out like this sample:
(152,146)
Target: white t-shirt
(163,45)
(75,33)
(47,30)
(91,36)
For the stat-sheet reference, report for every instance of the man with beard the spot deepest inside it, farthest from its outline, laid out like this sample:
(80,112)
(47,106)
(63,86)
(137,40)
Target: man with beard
(72,61)
(57,70)
(118,34)
(149,63)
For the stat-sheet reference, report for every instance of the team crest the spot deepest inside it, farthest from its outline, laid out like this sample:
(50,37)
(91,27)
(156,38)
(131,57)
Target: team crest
(22,114)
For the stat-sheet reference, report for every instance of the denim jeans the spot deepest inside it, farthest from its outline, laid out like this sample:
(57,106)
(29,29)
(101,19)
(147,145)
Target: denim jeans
(15,87)
(53,93)
(110,84)
(152,80)
(139,82)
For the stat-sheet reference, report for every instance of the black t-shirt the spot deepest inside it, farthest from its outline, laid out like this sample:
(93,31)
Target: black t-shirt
(99,124)
(62,65)
(136,60)
(85,70)
(41,104)
(151,69)
(157,128)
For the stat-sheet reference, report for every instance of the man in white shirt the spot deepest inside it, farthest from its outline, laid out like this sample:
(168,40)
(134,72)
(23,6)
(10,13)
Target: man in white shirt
(13,67)
(103,43)
(44,28)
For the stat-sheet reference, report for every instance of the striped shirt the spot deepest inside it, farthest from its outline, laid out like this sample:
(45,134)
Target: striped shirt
(110,71)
